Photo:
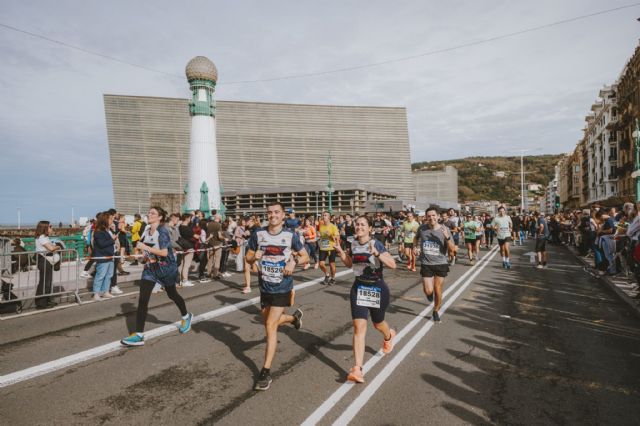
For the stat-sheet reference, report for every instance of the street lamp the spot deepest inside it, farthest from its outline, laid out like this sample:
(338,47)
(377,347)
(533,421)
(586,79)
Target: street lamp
(522,199)
(19,218)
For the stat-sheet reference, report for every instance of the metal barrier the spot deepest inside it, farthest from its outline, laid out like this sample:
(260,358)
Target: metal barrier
(33,276)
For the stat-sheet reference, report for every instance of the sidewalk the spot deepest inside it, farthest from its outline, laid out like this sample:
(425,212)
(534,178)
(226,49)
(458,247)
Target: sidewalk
(624,286)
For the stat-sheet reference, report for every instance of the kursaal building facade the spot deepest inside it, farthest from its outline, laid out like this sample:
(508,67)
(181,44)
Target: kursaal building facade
(260,146)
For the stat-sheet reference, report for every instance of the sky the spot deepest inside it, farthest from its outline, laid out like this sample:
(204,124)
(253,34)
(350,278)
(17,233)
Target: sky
(527,91)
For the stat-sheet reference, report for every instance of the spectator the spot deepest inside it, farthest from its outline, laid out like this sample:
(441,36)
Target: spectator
(214,242)
(45,249)
(103,244)
(136,232)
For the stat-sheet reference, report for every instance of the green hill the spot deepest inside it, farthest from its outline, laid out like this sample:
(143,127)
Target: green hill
(477,181)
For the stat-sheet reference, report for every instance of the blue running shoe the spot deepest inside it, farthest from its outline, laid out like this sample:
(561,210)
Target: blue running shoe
(508,265)
(436,316)
(134,339)
(504,264)
(185,324)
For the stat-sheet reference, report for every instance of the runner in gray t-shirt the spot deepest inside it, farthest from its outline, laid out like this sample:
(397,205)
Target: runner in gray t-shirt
(433,243)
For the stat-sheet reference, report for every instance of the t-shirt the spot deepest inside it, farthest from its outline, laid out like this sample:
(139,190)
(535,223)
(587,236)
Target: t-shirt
(328,233)
(366,267)
(213,229)
(433,245)
(159,239)
(478,228)
(292,223)
(41,241)
(608,224)
(469,228)
(378,226)
(502,225)
(277,250)
(517,223)
(545,232)
(410,229)
(453,222)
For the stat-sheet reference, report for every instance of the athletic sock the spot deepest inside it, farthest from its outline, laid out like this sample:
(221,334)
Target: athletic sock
(184,317)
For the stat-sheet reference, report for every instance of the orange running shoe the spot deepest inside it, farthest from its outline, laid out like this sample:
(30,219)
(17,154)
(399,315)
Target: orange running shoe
(387,345)
(356,375)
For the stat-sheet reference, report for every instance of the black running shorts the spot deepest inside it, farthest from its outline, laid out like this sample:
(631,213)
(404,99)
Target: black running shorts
(541,244)
(331,254)
(275,299)
(362,312)
(506,240)
(429,271)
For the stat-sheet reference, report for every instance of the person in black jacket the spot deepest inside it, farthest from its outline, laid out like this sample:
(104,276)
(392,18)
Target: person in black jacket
(103,246)
(187,241)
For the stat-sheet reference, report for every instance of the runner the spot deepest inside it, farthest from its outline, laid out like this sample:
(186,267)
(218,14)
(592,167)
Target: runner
(275,247)
(503,226)
(329,238)
(433,241)
(469,228)
(517,227)
(379,226)
(542,232)
(455,221)
(369,293)
(489,232)
(409,229)
(479,235)
(446,221)
(160,267)
(349,232)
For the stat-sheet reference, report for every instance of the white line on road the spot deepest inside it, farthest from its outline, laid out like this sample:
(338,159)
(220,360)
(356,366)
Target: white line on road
(99,351)
(353,409)
(326,406)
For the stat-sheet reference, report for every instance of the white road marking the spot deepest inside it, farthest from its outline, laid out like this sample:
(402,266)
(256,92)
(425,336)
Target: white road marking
(364,397)
(99,351)
(327,405)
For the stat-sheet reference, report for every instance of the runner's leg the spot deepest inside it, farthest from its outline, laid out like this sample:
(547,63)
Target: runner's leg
(146,287)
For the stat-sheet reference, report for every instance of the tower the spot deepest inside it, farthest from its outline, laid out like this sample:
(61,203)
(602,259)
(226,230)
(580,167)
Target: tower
(202,75)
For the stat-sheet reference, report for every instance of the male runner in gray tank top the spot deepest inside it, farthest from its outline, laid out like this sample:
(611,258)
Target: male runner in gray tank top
(433,243)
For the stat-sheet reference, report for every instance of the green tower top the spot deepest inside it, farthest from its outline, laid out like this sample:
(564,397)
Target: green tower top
(202,75)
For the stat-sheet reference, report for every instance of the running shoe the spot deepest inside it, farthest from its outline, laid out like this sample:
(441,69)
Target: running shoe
(504,264)
(264,382)
(453,260)
(134,339)
(96,297)
(387,345)
(436,316)
(185,324)
(187,283)
(297,319)
(355,375)
(430,297)
(205,280)
(539,266)
(472,261)
(107,295)
(84,274)
(326,279)
(332,281)
(116,290)
(508,265)
(246,290)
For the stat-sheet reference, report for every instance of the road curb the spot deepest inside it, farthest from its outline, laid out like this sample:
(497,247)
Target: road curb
(633,305)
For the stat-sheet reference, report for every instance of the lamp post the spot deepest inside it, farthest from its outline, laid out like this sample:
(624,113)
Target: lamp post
(330,186)
(317,204)
(19,218)
(636,136)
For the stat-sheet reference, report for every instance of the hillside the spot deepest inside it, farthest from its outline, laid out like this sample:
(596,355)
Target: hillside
(478,182)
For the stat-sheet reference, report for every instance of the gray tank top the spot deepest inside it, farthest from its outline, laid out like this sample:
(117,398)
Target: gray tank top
(433,245)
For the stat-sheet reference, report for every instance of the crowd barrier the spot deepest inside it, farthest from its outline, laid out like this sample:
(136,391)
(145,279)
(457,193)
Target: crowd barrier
(29,275)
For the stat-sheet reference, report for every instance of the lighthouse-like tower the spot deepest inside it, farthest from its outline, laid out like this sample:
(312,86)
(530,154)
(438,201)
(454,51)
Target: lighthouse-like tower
(202,75)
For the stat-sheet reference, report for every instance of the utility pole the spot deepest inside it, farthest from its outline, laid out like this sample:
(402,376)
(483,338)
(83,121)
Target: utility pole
(636,135)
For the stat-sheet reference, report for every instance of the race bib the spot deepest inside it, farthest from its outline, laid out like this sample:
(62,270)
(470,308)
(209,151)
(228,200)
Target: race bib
(410,234)
(325,243)
(272,272)
(368,296)
(430,248)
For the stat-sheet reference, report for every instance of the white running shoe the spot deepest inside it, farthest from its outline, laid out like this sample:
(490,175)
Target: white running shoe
(226,275)
(116,290)
(107,295)
(85,274)
(187,284)
(96,297)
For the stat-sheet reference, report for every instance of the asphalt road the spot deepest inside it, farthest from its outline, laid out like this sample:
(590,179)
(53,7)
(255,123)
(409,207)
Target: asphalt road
(519,346)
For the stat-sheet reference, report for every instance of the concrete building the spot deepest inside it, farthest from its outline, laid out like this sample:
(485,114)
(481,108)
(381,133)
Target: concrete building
(602,147)
(260,146)
(437,184)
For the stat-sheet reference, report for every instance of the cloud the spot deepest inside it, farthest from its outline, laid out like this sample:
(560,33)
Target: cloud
(531,90)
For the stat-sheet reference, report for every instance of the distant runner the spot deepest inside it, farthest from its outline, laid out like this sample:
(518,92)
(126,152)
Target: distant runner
(503,227)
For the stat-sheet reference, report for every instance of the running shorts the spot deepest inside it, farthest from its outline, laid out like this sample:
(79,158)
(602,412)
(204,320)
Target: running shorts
(429,271)
(467,241)
(478,237)
(331,254)
(541,244)
(275,299)
(408,245)
(505,240)
(381,290)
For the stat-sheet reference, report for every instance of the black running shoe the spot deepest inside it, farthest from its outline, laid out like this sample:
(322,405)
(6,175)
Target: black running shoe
(430,297)
(436,316)
(332,281)
(297,319)
(327,278)
(263,383)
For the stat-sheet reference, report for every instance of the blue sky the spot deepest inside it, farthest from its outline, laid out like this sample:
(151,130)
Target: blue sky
(527,91)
